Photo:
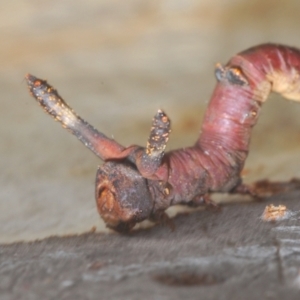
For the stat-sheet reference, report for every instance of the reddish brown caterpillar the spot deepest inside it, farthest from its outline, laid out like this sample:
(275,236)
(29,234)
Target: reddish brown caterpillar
(138,183)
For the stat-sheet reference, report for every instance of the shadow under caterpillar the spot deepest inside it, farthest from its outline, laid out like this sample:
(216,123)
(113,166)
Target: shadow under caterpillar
(138,183)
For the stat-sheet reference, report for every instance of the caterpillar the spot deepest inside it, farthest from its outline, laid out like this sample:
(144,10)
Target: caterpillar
(138,183)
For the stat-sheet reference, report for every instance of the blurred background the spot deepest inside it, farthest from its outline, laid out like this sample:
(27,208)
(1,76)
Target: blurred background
(116,62)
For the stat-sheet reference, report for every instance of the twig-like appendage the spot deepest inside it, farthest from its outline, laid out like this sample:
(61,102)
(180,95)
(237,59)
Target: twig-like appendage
(159,135)
(150,159)
(55,106)
(231,74)
(52,103)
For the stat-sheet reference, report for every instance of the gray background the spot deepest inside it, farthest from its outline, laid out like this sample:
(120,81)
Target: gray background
(116,62)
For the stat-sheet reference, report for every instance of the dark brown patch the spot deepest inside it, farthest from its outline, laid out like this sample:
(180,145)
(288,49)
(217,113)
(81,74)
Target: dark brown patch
(186,278)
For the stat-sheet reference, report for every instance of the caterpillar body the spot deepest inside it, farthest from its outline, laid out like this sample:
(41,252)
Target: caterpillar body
(138,183)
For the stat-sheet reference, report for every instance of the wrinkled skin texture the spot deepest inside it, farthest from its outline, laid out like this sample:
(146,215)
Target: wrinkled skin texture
(138,183)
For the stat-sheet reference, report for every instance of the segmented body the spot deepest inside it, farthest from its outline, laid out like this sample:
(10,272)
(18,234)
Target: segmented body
(138,183)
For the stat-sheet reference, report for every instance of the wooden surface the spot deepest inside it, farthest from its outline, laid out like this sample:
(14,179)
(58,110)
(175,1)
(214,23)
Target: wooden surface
(227,254)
